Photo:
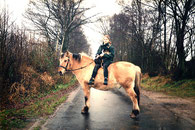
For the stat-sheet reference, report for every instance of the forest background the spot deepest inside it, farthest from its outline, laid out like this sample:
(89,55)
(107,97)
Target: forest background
(157,35)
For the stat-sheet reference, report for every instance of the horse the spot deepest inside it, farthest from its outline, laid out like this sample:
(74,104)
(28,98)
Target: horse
(121,74)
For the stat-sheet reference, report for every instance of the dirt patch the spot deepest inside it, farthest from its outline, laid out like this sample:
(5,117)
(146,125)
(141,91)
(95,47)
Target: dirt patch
(182,107)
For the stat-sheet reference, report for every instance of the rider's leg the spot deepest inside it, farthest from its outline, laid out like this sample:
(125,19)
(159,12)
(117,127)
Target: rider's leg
(91,81)
(105,66)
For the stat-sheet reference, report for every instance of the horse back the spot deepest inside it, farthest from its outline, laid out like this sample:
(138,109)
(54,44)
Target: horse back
(122,71)
(122,66)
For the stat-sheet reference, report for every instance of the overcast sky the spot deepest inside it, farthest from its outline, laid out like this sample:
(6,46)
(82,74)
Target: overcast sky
(101,7)
(16,8)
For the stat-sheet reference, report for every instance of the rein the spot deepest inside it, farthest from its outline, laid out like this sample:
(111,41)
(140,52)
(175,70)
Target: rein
(74,69)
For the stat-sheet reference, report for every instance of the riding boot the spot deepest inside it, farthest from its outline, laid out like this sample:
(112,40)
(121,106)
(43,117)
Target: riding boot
(91,81)
(105,81)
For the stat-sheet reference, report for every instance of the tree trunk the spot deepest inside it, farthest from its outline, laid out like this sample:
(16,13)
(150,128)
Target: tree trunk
(165,39)
(181,54)
(65,43)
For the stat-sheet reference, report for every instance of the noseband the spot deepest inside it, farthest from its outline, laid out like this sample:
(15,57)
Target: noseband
(66,65)
(74,69)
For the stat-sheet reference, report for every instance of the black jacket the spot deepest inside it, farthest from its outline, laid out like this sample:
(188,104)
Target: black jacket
(106,48)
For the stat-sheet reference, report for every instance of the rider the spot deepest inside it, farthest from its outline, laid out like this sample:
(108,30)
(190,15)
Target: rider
(104,56)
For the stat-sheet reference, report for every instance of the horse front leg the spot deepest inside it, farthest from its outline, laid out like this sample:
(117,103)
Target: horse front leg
(86,90)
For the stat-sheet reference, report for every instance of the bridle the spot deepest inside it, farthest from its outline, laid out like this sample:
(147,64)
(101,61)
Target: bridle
(73,69)
(66,65)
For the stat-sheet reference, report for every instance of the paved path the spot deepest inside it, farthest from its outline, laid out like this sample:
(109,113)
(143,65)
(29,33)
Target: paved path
(110,111)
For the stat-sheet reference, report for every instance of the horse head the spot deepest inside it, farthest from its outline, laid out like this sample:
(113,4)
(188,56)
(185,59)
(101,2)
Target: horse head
(65,62)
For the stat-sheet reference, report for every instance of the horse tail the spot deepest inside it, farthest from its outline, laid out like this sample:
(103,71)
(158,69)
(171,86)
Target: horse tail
(137,85)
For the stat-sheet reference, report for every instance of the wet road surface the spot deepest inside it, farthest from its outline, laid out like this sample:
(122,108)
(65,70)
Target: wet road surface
(110,111)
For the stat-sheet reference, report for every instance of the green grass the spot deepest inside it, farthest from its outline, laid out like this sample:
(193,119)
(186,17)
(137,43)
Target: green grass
(64,86)
(12,118)
(183,88)
(40,105)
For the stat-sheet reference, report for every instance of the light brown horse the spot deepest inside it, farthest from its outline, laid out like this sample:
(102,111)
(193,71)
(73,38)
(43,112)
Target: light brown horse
(121,73)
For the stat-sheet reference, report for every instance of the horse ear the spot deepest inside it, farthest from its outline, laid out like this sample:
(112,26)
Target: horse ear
(67,53)
(62,55)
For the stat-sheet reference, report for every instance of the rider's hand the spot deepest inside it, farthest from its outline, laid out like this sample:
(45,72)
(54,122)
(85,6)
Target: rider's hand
(97,56)
(101,55)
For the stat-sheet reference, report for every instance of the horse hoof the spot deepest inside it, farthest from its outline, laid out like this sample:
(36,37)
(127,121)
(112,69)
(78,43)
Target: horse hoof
(134,114)
(85,110)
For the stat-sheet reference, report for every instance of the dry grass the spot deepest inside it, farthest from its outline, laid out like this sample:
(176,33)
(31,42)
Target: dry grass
(33,83)
(37,105)
(182,88)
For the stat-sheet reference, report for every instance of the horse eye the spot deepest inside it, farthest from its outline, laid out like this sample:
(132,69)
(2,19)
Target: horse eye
(65,60)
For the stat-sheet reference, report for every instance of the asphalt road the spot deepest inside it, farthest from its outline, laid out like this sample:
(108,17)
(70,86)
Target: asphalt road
(110,111)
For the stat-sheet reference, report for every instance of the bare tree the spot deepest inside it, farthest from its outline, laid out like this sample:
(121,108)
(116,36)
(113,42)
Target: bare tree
(56,19)
(13,53)
(78,42)
(118,32)
(103,24)
(182,12)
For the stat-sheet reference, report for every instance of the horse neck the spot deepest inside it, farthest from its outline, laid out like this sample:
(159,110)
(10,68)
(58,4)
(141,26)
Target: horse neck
(80,74)
(84,62)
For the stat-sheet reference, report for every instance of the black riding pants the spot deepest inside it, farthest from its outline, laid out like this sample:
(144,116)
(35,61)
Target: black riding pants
(105,66)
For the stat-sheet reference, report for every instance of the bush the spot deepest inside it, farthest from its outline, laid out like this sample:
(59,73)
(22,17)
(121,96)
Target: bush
(26,65)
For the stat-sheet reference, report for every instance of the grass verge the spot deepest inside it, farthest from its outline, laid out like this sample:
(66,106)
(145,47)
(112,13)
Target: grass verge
(183,88)
(41,105)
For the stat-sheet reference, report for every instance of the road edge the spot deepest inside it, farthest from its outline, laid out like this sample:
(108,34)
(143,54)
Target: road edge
(65,106)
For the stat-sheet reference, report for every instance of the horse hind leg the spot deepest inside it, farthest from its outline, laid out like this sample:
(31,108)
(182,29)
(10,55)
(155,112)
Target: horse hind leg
(137,86)
(86,90)
(134,98)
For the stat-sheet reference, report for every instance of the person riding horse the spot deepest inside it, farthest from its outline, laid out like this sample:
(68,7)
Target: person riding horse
(104,56)
(121,73)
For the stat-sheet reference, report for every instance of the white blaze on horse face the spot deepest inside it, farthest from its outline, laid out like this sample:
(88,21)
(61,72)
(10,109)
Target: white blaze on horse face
(60,69)
(63,62)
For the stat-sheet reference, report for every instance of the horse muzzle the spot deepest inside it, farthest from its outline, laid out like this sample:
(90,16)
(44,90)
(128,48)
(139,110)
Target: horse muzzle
(60,73)
(61,70)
